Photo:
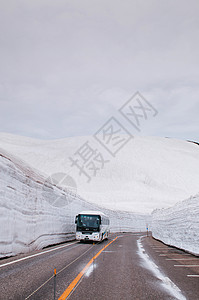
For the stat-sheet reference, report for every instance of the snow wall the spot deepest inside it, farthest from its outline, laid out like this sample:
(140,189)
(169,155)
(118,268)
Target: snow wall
(179,225)
(35,214)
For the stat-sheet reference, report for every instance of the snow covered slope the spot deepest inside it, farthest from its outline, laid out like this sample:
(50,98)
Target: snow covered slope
(147,173)
(178,225)
(34,213)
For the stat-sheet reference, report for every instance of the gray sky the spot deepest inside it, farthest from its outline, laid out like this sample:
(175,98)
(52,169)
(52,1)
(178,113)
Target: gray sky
(67,66)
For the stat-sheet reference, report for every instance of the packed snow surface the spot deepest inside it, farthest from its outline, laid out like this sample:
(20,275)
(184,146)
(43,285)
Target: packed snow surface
(147,173)
(35,213)
(165,281)
(179,225)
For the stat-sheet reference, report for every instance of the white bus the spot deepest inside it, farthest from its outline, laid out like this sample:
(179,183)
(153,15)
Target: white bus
(92,226)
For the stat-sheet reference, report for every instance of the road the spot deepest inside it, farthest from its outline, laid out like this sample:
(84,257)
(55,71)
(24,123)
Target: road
(127,266)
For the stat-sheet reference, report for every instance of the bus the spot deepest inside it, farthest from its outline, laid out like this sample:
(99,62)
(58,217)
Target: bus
(92,226)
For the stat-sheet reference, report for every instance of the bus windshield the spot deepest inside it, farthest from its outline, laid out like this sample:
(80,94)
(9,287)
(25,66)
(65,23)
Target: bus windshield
(88,222)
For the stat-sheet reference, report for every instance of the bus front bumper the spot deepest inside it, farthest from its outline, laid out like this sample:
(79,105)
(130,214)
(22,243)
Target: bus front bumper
(87,237)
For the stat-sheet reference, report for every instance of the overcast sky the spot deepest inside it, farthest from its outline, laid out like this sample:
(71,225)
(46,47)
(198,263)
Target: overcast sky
(66,67)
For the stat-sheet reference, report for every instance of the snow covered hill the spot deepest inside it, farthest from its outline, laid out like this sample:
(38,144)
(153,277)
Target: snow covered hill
(147,173)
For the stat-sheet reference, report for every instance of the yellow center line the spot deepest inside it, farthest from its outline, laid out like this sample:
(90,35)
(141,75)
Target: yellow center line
(69,289)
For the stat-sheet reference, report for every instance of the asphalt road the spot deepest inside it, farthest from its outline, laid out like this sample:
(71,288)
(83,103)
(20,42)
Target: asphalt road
(114,269)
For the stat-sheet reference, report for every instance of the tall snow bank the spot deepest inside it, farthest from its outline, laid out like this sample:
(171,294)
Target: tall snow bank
(179,225)
(29,218)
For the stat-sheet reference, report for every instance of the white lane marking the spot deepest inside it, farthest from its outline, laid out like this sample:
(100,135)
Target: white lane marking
(180,258)
(166,282)
(107,251)
(160,247)
(188,266)
(164,251)
(37,254)
(173,254)
(193,276)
